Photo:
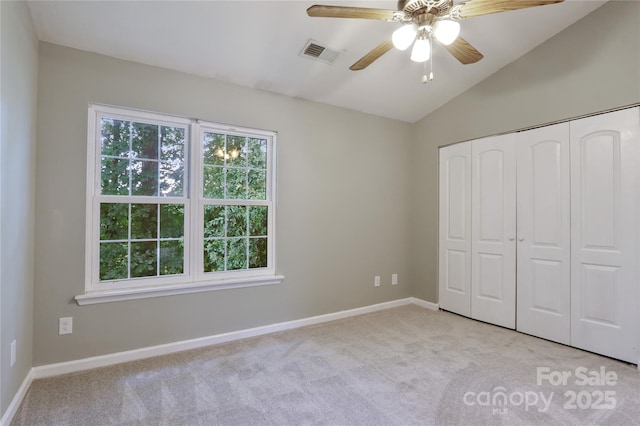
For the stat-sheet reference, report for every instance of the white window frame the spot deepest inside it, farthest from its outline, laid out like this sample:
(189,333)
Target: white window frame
(193,279)
(203,128)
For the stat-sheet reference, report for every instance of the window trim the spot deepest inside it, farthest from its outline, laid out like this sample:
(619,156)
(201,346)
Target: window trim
(192,280)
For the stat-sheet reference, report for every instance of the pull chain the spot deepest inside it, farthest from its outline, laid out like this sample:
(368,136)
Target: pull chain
(426,79)
(431,60)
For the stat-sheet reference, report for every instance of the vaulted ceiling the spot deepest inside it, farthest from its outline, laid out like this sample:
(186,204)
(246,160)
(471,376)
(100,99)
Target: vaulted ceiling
(258,43)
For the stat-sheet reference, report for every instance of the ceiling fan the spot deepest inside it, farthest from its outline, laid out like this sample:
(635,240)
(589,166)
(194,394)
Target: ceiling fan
(424,20)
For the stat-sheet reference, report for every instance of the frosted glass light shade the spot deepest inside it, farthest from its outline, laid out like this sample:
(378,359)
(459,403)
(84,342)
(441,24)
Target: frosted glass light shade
(446,31)
(404,36)
(421,51)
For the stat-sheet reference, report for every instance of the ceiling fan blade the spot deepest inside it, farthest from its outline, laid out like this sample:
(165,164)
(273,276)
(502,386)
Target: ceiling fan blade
(367,59)
(463,51)
(321,11)
(486,7)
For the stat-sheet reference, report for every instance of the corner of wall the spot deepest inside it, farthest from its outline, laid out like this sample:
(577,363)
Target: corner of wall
(18,79)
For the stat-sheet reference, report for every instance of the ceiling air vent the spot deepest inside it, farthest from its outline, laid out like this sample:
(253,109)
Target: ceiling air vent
(314,50)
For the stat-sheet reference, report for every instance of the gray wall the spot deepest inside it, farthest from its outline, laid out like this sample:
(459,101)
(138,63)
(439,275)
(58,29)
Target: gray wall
(592,66)
(343,204)
(18,86)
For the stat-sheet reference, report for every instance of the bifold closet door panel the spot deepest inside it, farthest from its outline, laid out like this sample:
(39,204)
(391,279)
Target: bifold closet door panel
(493,227)
(544,233)
(455,229)
(605,233)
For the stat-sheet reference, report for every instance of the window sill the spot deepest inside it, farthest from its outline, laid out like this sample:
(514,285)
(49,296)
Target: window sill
(171,290)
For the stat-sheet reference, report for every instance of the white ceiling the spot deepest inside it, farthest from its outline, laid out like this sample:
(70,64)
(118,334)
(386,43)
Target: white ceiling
(257,44)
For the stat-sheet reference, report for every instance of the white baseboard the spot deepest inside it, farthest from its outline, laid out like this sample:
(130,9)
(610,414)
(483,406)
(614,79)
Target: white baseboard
(12,409)
(142,353)
(423,303)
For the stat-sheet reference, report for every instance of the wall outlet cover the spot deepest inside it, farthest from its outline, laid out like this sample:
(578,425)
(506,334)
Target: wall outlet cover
(65,325)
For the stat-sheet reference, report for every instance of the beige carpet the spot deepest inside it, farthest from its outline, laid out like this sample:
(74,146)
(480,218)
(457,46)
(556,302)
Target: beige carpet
(403,366)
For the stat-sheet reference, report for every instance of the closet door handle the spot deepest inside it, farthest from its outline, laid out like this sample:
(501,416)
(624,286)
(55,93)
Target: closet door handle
(511,238)
(521,239)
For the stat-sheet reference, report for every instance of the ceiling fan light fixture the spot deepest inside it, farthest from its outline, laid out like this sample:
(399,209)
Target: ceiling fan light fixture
(421,51)
(446,31)
(404,36)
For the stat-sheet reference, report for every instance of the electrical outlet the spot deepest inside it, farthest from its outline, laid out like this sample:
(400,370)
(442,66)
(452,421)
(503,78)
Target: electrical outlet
(376,281)
(65,325)
(394,279)
(13,353)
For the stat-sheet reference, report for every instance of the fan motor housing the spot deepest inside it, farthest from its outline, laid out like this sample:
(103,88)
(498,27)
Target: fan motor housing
(412,6)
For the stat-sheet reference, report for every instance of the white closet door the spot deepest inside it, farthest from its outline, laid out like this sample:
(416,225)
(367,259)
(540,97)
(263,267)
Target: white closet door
(605,215)
(493,226)
(544,232)
(455,229)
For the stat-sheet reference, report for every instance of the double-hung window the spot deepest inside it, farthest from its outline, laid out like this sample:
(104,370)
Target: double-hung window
(176,205)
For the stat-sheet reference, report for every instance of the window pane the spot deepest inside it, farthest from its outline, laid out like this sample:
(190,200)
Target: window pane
(144,178)
(213,221)
(171,221)
(144,221)
(114,176)
(214,255)
(171,257)
(213,149)
(257,153)
(144,141)
(237,151)
(172,144)
(213,182)
(236,221)
(257,184)
(172,164)
(258,220)
(236,183)
(114,221)
(236,253)
(171,178)
(144,260)
(114,139)
(258,253)
(113,261)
